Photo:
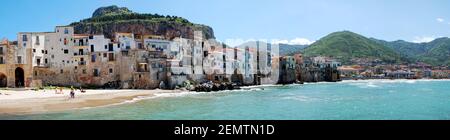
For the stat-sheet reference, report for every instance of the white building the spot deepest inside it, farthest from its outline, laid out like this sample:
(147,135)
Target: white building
(126,41)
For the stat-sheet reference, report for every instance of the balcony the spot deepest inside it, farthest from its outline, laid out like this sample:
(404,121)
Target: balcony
(82,63)
(42,65)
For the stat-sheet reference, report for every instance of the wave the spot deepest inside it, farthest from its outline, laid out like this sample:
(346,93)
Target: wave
(175,94)
(370,83)
(394,81)
(299,98)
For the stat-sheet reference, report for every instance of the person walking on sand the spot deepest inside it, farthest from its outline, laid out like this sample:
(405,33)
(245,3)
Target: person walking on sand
(72,93)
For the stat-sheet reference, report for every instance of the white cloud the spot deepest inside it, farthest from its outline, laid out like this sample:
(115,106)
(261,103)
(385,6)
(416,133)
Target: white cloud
(276,41)
(296,41)
(301,41)
(440,20)
(423,39)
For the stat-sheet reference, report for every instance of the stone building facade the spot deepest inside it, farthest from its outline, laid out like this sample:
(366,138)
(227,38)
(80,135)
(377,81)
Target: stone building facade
(136,61)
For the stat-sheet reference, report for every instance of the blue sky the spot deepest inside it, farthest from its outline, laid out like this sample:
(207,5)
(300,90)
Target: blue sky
(293,21)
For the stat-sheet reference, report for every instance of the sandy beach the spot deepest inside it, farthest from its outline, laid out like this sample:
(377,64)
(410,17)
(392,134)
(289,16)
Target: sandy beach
(24,101)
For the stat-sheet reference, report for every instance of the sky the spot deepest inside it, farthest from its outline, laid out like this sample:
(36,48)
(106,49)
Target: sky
(285,21)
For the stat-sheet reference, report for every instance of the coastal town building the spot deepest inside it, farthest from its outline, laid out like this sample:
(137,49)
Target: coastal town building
(287,70)
(140,61)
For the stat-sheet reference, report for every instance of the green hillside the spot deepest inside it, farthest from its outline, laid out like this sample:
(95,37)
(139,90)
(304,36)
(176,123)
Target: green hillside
(346,45)
(438,53)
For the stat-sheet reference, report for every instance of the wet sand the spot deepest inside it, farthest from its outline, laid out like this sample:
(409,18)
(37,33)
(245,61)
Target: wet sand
(31,102)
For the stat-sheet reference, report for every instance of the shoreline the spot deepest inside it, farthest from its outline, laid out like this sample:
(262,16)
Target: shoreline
(34,102)
(26,101)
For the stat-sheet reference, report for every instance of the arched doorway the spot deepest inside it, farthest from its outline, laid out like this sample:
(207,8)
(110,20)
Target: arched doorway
(20,77)
(3,80)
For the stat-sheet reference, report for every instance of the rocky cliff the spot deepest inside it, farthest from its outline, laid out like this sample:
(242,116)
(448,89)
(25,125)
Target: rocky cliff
(111,19)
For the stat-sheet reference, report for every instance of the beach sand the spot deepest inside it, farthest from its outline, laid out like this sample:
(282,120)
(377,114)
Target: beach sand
(23,101)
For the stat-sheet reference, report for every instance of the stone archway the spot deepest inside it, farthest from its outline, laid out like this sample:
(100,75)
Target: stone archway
(20,77)
(3,80)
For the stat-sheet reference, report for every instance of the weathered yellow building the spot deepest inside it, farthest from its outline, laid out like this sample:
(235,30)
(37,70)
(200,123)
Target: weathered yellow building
(15,71)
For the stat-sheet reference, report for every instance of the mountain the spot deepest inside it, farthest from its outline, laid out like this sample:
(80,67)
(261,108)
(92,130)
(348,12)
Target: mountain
(283,49)
(405,49)
(436,52)
(347,45)
(287,49)
(111,19)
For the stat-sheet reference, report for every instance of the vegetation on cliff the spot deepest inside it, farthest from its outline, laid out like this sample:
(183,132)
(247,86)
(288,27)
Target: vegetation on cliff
(111,19)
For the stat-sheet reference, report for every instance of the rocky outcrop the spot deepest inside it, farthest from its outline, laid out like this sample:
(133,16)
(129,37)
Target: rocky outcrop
(108,20)
(210,86)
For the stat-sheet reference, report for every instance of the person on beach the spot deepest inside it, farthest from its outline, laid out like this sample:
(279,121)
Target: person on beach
(72,93)
(82,90)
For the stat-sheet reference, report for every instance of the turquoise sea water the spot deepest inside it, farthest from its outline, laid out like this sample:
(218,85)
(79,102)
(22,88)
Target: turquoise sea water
(348,100)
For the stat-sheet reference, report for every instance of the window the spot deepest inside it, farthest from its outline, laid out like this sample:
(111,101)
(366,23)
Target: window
(1,50)
(76,67)
(66,31)
(65,41)
(110,47)
(84,71)
(61,71)
(110,70)
(24,38)
(93,58)
(92,48)
(38,61)
(96,73)
(80,51)
(111,57)
(105,55)
(34,50)
(128,46)
(37,40)
(19,59)
(2,61)
(106,47)
(46,61)
(66,51)
(35,73)
(157,76)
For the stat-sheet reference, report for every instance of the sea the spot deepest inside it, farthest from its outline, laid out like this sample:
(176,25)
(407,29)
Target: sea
(346,100)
